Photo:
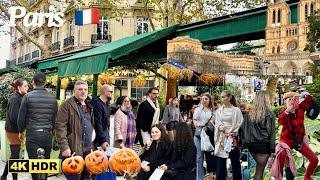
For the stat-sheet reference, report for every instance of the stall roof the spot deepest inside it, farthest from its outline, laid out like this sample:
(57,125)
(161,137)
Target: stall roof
(96,60)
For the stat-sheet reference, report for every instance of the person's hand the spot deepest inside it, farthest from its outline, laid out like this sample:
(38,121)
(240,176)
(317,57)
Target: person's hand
(149,142)
(66,153)
(21,137)
(105,145)
(163,167)
(145,168)
(196,123)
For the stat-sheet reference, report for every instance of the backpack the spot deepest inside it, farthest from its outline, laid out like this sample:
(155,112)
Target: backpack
(313,110)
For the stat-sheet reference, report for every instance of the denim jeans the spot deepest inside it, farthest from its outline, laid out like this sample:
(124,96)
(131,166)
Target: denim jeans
(200,158)
(35,140)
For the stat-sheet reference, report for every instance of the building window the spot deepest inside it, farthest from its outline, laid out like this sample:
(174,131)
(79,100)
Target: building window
(273,17)
(70,28)
(57,35)
(311,9)
(142,25)
(103,29)
(279,16)
(273,49)
(138,92)
(306,11)
(278,50)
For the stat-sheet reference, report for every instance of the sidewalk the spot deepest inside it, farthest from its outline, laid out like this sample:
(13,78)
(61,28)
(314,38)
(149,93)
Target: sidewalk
(27,176)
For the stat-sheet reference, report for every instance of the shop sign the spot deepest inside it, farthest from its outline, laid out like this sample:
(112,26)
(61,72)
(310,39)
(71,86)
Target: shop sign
(35,19)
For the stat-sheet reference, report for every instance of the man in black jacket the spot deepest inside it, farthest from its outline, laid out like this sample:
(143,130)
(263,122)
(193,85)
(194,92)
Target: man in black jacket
(101,111)
(148,113)
(37,116)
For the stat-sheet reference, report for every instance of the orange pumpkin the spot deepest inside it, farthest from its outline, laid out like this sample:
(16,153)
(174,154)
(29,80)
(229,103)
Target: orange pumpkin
(73,165)
(125,161)
(96,162)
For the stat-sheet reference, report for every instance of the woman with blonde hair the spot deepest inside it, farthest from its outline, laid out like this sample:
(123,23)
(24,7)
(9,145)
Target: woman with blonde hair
(258,132)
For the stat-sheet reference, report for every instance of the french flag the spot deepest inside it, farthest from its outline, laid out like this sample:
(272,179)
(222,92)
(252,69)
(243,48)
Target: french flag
(87,16)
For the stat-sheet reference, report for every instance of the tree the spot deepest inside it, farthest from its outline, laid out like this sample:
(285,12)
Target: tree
(185,11)
(313,35)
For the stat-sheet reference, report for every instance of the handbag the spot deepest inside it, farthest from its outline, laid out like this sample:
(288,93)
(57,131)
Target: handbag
(206,145)
(198,131)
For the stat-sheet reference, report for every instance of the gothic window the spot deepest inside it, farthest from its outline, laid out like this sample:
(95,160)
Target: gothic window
(279,16)
(103,29)
(278,50)
(311,9)
(306,11)
(273,49)
(142,25)
(273,17)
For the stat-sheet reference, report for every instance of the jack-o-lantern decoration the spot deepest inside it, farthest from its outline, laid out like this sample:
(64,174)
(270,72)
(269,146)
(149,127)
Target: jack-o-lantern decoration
(125,161)
(96,162)
(73,165)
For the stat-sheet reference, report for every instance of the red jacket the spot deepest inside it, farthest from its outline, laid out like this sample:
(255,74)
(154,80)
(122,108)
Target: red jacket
(292,123)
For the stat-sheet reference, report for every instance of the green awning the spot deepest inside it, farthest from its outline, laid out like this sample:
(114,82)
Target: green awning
(27,63)
(96,60)
(52,62)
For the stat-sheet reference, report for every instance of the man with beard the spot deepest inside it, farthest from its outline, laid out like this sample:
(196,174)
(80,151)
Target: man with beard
(101,111)
(148,114)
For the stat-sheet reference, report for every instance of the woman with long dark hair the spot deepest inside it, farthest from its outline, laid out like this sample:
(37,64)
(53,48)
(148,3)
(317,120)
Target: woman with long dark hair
(258,132)
(183,160)
(20,88)
(158,151)
(171,116)
(228,119)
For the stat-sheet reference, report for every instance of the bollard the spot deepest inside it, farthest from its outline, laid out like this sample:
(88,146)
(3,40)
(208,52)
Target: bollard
(40,153)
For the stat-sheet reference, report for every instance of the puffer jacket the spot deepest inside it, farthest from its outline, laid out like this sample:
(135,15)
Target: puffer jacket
(37,111)
(264,131)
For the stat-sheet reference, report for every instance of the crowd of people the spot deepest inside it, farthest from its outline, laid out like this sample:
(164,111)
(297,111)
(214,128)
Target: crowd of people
(179,146)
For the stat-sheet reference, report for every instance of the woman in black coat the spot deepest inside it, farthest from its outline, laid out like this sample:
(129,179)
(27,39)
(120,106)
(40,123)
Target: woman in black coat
(158,151)
(20,87)
(183,160)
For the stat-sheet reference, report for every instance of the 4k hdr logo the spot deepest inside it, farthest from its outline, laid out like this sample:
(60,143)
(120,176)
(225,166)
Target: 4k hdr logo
(55,19)
(34,165)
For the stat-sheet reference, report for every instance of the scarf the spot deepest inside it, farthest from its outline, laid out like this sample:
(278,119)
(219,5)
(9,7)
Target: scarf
(156,115)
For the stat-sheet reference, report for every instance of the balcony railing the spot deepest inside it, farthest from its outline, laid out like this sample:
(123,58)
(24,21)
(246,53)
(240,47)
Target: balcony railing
(69,41)
(20,60)
(35,54)
(56,46)
(27,57)
(98,39)
(10,62)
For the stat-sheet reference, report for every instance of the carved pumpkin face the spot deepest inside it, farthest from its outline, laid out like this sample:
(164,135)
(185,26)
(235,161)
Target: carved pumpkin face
(96,162)
(125,161)
(73,165)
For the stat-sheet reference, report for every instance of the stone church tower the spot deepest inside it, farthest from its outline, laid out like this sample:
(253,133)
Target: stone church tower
(286,36)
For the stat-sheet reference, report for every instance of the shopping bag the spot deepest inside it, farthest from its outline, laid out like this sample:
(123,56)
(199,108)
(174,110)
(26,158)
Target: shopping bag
(106,175)
(157,174)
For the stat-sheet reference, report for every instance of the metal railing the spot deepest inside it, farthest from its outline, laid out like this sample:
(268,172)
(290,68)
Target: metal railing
(69,41)
(98,39)
(56,46)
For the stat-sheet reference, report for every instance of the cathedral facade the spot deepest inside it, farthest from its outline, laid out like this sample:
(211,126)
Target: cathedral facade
(286,37)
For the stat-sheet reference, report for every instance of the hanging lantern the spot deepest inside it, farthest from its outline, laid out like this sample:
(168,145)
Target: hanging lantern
(64,83)
(139,81)
(106,78)
(54,80)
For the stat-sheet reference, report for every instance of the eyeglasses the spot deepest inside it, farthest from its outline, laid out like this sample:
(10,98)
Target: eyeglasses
(155,93)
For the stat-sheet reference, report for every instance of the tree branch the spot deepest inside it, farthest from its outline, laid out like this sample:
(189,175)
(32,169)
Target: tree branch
(148,15)
(43,48)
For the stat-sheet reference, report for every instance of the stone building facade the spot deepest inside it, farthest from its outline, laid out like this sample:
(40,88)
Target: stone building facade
(131,20)
(286,37)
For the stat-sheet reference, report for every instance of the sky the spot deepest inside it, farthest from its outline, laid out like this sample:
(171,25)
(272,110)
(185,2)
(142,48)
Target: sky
(4,49)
